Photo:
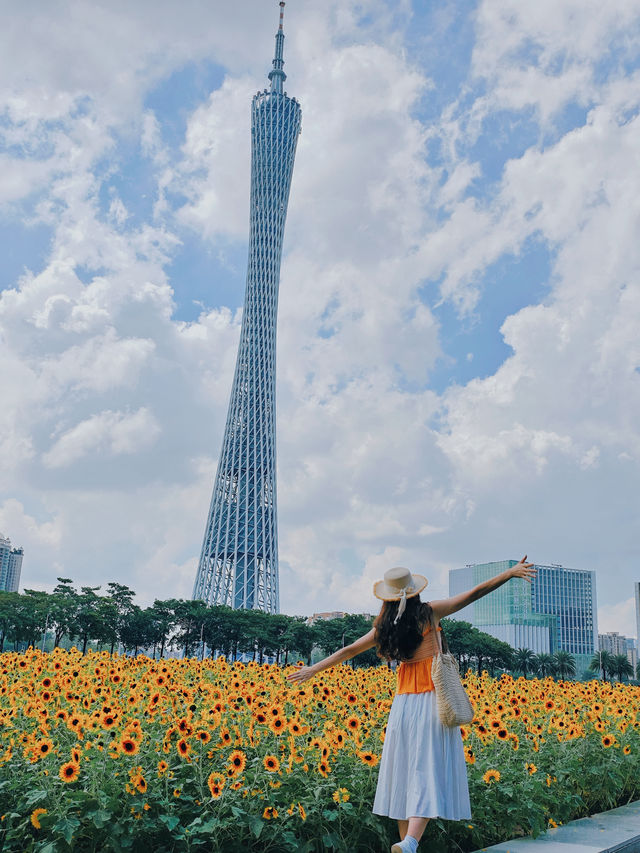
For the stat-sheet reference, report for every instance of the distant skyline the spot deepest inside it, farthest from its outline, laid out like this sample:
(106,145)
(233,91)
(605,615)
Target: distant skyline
(458,359)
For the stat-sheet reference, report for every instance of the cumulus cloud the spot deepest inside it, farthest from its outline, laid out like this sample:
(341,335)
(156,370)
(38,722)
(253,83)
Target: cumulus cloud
(619,617)
(26,529)
(108,432)
(549,55)
(214,174)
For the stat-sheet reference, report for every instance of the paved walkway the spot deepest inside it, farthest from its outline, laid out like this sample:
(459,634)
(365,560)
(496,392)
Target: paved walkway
(617,831)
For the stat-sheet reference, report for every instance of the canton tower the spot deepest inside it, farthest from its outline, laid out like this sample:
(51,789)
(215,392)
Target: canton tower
(239,559)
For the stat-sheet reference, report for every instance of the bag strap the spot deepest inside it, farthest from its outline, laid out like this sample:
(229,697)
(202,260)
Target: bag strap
(444,645)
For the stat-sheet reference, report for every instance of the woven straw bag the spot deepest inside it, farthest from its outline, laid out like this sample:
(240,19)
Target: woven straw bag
(454,707)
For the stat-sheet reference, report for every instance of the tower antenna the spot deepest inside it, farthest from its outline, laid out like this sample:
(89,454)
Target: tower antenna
(277,75)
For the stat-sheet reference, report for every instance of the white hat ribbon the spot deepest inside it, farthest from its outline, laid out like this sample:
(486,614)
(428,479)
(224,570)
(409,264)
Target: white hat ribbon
(402,605)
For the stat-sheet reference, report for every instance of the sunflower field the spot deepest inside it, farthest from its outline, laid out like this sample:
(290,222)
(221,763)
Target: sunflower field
(109,753)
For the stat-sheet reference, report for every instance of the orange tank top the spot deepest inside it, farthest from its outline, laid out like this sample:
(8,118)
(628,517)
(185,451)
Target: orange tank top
(414,675)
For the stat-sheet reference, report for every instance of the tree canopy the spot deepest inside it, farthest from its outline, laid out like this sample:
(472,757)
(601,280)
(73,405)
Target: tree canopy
(90,618)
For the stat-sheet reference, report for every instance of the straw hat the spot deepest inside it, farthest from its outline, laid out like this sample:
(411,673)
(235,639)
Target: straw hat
(398,585)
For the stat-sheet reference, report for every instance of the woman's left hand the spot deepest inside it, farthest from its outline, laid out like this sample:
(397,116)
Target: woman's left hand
(523,570)
(304,673)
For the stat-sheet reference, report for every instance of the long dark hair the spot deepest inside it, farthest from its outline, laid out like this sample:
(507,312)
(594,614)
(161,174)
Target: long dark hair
(399,641)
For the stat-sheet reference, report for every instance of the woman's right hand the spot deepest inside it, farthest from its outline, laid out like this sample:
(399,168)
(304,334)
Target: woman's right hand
(303,673)
(523,570)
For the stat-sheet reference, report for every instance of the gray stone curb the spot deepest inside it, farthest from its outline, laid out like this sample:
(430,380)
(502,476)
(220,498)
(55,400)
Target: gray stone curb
(608,832)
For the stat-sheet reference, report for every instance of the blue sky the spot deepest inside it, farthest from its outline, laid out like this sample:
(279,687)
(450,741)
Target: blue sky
(457,341)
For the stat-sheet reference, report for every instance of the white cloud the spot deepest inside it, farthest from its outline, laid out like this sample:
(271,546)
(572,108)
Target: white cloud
(620,617)
(217,145)
(99,364)
(548,54)
(20,178)
(108,432)
(571,384)
(25,529)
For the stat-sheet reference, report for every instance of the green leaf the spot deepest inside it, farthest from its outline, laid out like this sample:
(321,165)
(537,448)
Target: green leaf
(48,848)
(100,818)
(255,825)
(66,827)
(205,828)
(36,797)
(170,821)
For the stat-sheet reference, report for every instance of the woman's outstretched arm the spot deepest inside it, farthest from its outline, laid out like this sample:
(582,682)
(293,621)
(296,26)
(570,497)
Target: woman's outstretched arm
(367,641)
(447,606)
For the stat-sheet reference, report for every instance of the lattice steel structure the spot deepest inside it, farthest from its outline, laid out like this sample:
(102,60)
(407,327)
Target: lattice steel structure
(239,559)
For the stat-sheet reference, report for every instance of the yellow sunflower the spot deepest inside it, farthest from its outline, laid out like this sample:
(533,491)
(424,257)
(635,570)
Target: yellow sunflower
(491,776)
(69,772)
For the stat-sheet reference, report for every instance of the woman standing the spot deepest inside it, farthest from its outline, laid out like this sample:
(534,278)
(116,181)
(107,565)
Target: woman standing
(422,769)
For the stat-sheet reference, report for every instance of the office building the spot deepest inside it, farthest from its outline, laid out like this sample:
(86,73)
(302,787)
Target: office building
(632,653)
(335,614)
(331,614)
(612,642)
(557,611)
(636,589)
(10,565)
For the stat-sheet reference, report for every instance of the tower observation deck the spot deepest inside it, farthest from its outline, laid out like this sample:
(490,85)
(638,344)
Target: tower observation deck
(239,559)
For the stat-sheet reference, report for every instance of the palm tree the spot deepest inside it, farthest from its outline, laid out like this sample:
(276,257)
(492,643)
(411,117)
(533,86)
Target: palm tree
(545,664)
(565,664)
(524,660)
(602,662)
(621,667)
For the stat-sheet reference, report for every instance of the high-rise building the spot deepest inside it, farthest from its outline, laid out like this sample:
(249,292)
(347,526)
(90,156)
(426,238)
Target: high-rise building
(332,614)
(556,612)
(636,589)
(507,613)
(10,565)
(612,642)
(239,559)
(632,652)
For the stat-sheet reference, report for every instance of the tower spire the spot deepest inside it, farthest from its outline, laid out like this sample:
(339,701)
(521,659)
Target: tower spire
(277,75)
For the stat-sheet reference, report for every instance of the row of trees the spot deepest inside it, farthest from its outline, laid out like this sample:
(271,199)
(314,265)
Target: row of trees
(613,665)
(560,665)
(563,665)
(112,620)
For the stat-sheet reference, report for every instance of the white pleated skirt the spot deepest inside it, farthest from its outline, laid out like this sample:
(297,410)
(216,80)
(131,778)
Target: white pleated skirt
(422,769)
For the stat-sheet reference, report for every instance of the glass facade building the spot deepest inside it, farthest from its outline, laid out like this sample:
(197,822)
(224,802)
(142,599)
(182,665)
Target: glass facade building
(557,611)
(10,565)
(239,559)
(632,653)
(636,590)
(507,613)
